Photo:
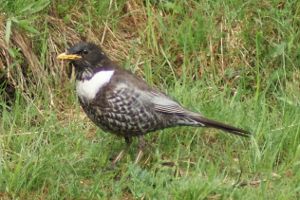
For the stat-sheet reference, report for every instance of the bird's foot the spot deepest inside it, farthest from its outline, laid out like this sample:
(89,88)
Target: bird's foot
(117,158)
(140,154)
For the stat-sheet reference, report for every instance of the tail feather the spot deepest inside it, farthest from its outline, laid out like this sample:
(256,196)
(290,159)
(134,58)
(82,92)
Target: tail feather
(202,121)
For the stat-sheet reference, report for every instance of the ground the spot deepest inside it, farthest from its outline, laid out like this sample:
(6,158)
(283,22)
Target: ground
(233,61)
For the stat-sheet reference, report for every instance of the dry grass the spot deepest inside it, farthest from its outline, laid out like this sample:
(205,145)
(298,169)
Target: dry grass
(236,63)
(26,70)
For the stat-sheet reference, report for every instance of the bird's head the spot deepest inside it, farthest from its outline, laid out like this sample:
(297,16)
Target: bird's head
(85,57)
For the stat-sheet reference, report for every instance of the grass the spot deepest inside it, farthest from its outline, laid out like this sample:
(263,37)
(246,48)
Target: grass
(233,61)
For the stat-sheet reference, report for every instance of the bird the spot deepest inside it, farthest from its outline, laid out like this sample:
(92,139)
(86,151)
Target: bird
(121,103)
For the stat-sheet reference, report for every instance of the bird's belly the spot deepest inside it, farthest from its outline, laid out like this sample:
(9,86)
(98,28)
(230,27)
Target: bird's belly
(124,124)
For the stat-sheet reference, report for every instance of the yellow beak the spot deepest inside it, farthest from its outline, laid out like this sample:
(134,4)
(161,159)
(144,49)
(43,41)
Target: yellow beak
(64,56)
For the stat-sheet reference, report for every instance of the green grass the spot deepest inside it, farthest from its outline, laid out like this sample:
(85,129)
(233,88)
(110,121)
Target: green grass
(232,61)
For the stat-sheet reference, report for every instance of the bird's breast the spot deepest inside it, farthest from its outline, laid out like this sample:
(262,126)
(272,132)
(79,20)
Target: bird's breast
(87,89)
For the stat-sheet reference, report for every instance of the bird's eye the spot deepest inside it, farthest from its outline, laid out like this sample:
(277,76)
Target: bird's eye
(85,51)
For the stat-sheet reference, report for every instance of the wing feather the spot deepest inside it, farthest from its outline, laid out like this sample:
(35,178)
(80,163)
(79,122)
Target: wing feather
(163,103)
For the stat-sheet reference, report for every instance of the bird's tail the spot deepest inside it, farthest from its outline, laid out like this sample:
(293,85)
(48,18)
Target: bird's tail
(205,122)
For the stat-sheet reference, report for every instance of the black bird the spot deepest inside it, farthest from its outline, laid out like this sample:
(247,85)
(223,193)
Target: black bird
(119,102)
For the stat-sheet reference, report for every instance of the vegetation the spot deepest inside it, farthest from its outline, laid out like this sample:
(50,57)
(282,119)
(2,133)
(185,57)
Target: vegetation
(234,61)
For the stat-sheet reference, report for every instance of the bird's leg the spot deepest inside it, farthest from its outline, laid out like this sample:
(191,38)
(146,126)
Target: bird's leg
(142,145)
(128,141)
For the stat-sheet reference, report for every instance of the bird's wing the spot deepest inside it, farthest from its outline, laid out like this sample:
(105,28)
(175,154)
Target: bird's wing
(163,103)
(137,92)
(150,99)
